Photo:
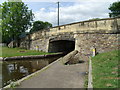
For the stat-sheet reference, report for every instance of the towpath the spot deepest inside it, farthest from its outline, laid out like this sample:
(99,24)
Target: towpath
(58,75)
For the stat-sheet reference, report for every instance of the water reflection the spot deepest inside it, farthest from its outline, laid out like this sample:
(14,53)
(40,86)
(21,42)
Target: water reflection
(15,70)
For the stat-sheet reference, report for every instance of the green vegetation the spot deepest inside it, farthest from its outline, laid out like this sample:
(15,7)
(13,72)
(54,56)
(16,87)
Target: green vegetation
(115,9)
(16,20)
(10,52)
(86,81)
(94,19)
(40,25)
(105,70)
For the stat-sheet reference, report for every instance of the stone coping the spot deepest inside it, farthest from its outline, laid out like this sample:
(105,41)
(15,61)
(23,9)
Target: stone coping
(86,21)
(90,80)
(29,57)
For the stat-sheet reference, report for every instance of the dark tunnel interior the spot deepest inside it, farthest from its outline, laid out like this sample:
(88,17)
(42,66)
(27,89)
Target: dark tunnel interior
(64,46)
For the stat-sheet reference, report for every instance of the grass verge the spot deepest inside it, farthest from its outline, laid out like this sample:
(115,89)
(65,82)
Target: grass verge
(86,81)
(10,52)
(105,70)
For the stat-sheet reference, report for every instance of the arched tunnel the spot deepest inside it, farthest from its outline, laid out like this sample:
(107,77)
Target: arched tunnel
(64,46)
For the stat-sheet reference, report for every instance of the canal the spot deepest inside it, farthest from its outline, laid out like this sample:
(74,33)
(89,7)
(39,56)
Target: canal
(14,70)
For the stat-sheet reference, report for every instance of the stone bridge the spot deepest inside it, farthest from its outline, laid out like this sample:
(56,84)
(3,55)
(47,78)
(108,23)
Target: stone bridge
(103,35)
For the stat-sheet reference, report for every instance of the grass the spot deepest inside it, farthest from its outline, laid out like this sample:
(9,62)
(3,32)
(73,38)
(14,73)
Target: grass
(0,51)
(10,52)
(86,81)
(105,70)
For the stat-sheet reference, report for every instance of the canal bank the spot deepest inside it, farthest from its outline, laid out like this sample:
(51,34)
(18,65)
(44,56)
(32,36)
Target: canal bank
(29,57)
(57,75)
(13,70)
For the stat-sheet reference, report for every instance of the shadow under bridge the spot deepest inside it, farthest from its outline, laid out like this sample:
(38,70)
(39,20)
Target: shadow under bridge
(64,46)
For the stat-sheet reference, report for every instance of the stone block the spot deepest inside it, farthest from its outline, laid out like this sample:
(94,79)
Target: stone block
(69,57)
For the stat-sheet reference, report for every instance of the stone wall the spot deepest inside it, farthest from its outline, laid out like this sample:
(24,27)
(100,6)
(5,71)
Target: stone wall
(101,34)
(63,36)
(101,42)
(108,25)
(25,42)
(37,41)
(40,45)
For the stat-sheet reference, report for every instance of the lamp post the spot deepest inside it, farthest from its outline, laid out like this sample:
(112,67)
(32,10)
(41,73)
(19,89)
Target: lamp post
(58,15)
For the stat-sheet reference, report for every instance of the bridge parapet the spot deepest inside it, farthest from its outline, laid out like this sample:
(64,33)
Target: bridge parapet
(103,34)
(109,25)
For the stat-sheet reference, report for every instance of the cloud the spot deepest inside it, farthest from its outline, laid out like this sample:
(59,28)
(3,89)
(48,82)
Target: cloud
(44,15)
(67,0)
(79,11)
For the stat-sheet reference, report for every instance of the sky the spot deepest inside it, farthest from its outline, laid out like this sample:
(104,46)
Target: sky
(70,10)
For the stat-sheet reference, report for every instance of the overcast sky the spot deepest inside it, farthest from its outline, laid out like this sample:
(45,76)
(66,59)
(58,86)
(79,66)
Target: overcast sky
(70,10)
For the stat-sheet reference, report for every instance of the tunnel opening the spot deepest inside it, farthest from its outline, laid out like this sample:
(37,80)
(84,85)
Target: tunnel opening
(64,46)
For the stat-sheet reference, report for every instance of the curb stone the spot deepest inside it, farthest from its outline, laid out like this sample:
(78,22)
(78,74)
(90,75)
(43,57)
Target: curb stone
(29,57)
(90,85)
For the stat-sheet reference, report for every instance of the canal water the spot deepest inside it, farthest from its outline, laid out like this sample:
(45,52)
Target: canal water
(17,69)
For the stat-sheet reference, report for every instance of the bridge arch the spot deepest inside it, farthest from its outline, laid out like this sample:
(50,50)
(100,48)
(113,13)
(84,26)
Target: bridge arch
(62,43)
(68,36)
(64,46)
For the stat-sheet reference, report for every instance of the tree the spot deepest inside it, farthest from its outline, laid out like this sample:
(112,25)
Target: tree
(0,24)
(94,19)
(40,25)
(115,9)
(16,19)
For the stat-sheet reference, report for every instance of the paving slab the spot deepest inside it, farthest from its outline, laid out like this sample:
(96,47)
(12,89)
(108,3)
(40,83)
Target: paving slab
(58,75)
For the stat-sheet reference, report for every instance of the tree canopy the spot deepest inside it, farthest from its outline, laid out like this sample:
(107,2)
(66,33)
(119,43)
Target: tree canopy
(16,19)
(40,25)
(115,9)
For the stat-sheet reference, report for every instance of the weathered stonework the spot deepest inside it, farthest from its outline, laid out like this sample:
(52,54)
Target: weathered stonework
(62,36)
(101,34)
(109,25)
(102,42)
(40,44)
